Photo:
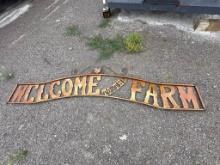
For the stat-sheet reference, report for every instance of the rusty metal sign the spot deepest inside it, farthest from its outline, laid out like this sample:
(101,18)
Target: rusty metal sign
(157,95)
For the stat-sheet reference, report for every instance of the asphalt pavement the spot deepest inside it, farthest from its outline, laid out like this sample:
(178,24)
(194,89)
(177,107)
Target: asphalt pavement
(86,131)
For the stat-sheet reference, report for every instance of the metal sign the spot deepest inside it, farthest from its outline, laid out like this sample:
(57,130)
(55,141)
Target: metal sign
(122,87)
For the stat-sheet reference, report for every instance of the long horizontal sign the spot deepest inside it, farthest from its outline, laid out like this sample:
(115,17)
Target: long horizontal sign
(157,95)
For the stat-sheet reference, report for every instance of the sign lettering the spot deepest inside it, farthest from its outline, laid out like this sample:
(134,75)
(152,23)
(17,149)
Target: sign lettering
(157,95)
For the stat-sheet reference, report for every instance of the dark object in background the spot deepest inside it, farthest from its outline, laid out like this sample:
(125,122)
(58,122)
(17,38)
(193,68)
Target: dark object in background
(180,6)
(6,3)
(162,2)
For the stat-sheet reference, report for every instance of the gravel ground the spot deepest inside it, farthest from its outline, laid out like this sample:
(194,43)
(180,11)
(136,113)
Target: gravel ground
(104,131)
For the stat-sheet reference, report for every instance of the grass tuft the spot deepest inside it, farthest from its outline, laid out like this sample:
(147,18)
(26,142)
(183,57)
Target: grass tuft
(4,74)
(104,23)
(107,47)
(72,31)
(134,42)
(17,157)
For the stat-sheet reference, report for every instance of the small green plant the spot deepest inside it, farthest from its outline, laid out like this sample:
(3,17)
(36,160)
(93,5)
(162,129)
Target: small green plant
(134,42)
(104,23)
(4,74)
(72,31)
(107,47)
(168,77)
(16,158)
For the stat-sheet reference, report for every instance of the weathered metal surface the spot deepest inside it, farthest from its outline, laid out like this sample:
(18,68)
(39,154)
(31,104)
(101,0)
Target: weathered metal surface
(157,95)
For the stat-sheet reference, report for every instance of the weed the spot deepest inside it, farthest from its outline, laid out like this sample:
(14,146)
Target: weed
(72,31)
(17,157)
(134,42)
(104,23)
(4,74)
(168,77)
(107,47)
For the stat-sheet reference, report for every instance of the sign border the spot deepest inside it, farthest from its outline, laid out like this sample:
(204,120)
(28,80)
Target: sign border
(110,96)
